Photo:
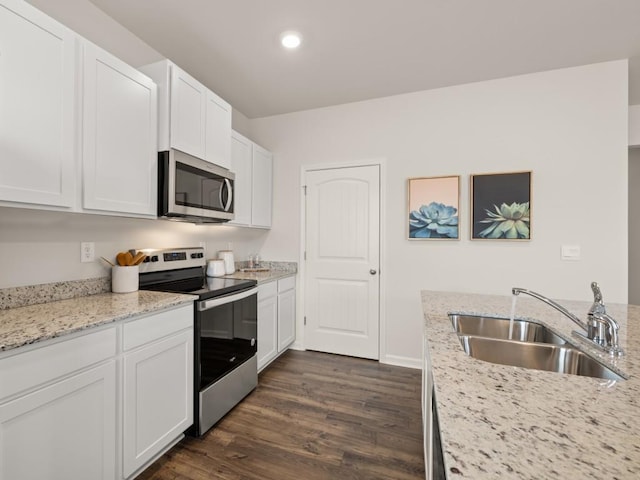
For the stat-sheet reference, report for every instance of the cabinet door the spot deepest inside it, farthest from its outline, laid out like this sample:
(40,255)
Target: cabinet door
(188,113)
(63,431)
(286,319)
(241,165)
(267,326)
(262,187)
(158,398)
(218,131)
(119,155)
(37,105)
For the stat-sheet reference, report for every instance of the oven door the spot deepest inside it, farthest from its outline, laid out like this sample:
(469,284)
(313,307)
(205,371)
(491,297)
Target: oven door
(226,365)
(194,188)
(226,336)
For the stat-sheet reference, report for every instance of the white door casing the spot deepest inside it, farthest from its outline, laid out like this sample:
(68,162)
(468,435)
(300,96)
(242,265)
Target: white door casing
(342,286)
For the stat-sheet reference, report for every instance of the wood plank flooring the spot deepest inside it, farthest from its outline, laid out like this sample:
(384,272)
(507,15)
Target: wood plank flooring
(314,416)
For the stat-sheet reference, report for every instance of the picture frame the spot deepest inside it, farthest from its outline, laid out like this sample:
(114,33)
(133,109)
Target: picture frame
(501,206)
(433,208)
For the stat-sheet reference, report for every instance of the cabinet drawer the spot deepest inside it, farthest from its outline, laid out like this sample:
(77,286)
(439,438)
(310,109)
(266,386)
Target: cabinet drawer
(150,328)
(287,283)
(267,290)
(27,370)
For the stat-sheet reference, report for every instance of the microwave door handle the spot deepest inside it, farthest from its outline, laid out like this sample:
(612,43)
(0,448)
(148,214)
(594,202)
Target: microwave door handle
(230,196)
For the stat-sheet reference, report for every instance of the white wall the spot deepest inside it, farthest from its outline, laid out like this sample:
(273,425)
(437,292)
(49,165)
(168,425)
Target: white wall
(634,226)
(42,247)
(84,18)
(241,123)
(568,126)
(634,125)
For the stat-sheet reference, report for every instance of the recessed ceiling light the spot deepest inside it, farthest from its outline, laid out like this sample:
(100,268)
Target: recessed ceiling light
(290,40)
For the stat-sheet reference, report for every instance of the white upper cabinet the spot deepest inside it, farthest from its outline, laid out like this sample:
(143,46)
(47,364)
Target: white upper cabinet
(188,110)
(241,165)
(253,166)
(119,148)
(37,107)
(218,131)
(192,118)
(262,187)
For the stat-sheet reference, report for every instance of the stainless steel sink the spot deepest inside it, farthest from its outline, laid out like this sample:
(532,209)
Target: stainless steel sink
(539,356)
(523,330)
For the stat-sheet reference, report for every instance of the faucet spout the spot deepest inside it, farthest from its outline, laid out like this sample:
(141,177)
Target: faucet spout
(551,303)
(601,329)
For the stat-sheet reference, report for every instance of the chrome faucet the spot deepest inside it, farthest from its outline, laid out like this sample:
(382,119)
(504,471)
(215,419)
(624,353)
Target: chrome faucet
(600,328)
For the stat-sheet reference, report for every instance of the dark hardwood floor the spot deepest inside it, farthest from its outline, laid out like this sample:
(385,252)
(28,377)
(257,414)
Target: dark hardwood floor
(313,416)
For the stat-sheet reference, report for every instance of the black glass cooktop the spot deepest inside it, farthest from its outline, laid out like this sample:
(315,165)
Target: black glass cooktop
(193,281)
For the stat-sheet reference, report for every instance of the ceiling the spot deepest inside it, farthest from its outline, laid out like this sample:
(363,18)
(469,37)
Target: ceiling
(360,49)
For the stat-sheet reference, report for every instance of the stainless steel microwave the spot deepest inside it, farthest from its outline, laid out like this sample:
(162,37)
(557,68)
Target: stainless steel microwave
(193,190)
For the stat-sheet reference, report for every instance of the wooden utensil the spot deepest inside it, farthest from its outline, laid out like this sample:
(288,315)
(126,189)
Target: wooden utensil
(128,258)
(110,263)
(121,258)
(139,258)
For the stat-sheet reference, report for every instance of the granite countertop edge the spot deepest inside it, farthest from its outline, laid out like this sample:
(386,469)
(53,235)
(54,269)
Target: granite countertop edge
(262,277)
(32,324)
(498,421)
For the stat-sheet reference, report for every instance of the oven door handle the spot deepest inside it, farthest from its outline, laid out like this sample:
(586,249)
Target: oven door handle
(215,302)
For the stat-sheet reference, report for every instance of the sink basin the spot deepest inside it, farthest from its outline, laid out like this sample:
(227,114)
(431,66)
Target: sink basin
(523,330)
(539,356)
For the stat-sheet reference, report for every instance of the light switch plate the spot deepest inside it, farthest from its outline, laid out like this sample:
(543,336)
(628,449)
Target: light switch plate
(571,252)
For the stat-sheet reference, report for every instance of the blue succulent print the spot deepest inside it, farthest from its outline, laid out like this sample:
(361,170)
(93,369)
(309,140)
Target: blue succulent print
(435,220)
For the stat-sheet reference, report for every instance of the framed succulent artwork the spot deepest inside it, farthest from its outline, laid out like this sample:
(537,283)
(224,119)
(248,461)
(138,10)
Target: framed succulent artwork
(501,206)
(433,209)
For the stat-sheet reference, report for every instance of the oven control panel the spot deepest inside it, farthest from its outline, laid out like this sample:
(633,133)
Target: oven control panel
(172,259)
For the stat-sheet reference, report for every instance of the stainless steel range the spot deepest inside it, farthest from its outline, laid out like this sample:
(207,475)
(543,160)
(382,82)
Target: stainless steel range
(225,329)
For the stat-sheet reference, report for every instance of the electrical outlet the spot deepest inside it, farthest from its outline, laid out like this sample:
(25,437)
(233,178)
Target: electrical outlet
(87,252)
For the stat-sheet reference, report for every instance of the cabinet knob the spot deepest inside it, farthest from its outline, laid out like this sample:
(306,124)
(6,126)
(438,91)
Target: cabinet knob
(372,271)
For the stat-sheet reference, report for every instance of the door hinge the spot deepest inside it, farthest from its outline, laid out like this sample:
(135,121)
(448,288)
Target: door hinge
(305,254)
(305,320)
(304,187)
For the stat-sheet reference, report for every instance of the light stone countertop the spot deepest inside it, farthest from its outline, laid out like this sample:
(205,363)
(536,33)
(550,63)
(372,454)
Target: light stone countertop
(36,323)
(261,277)
(499,421)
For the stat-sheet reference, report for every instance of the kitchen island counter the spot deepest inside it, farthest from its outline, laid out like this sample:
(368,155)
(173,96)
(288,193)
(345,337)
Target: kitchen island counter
(36,323)
(499,421)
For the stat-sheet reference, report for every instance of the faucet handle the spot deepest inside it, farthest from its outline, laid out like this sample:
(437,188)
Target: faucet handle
(598,304)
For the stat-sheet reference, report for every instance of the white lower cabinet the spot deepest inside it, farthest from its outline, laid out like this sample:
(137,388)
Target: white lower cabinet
(58,409)
(276,319)
(157,407)
(157,384)
(59,401)
(286,312)
(267,323)
(64,431)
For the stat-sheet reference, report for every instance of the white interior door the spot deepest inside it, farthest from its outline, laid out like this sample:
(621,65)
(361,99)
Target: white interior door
(343,255)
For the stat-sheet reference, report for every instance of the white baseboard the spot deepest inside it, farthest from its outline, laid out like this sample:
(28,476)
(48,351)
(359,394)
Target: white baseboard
(297,346)
(399,361)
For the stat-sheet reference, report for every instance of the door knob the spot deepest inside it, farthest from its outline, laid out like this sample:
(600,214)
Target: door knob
(372,271)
